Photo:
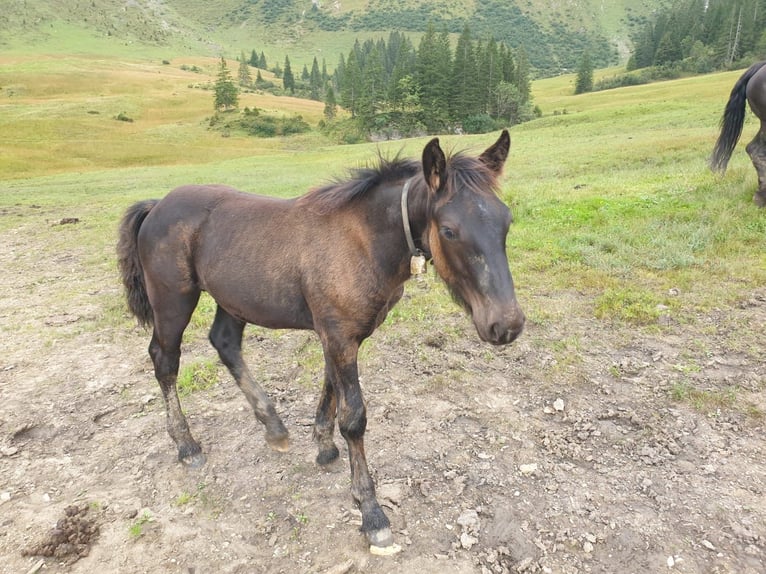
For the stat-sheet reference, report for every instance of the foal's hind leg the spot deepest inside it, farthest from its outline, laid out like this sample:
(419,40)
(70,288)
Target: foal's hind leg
(226,337)
(756,149)
(170,321)
(324,424)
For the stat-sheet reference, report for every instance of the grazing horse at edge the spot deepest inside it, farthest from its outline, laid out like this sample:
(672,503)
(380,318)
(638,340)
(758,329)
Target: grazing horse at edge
(334,261)
(750,87)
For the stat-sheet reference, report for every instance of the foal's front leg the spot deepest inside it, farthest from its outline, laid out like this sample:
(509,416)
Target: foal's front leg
(341,364)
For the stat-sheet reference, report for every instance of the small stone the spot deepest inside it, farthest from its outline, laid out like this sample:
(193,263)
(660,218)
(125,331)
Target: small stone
(671,562)
(524,564)
(558,404)
(469,520)
(707,544)
(528,468)
(467,541)
(587,546)
(8,450)
(5,496)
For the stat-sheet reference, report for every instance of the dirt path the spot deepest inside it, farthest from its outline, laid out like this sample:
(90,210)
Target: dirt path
(583,447)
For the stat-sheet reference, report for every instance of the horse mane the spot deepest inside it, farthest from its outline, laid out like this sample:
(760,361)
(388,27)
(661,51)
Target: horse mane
(464,171)
(362,180)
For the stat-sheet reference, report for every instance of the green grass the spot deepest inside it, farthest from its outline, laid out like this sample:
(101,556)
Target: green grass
(136,529)
(612,199)
(200,375)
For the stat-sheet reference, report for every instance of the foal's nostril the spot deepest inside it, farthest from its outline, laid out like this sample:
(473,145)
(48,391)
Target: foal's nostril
(503,332)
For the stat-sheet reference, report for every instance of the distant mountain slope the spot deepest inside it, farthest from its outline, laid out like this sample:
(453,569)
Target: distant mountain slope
(554,33)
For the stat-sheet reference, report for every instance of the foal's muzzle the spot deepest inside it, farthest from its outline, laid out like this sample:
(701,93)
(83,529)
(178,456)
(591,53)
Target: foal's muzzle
(501,327)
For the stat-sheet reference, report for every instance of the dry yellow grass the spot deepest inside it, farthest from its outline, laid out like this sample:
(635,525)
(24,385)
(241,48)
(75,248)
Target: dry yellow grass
(58,114)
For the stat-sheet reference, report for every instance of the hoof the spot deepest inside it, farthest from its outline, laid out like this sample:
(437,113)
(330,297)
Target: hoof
(279,443)
(382,538)
(196,460)
(328,456)
(385,550)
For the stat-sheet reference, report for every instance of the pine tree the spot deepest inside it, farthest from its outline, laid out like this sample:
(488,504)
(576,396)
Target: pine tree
(522,75)
(330,105)
(433,75)
(226,93)
(253,59)
(350,87)
(491,74)
(288,80)
(373,86)
(584,82)
(244,71)
(463,101)
(315,81)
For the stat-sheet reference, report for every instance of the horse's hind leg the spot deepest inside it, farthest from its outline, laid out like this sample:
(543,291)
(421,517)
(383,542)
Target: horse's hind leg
(756,149)
(226,337)
(170,321)
(324,424)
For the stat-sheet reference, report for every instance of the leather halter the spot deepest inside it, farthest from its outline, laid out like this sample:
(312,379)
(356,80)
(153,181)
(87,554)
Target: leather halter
(414,251)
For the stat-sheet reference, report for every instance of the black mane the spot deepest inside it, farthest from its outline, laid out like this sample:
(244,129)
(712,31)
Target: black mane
(340,192)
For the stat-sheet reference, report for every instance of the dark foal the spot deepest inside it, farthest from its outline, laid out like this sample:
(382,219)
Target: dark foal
(335,261)
(750,88)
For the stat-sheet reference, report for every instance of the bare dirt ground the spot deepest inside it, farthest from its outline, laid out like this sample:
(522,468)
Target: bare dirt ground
(583,447)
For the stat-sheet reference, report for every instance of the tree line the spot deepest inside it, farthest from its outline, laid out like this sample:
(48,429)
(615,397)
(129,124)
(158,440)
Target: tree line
(392,86)
(433,88)
(702,36)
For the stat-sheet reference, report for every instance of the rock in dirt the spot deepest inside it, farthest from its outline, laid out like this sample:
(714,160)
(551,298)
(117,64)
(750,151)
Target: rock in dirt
(469,520)
(467,541)
(343,568)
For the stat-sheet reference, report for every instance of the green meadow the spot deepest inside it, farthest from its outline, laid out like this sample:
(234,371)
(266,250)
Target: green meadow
(611,194)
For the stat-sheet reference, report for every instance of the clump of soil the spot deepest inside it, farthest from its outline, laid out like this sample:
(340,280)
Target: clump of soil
(71,538)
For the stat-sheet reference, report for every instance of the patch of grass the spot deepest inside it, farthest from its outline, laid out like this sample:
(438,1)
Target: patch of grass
(706,401)
(183,499)
(309,359)
(200,375)
(629,305)
(136,529)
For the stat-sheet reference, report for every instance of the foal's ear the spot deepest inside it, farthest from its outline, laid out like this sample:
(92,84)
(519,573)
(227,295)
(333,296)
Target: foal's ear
(494,157)
(434,166)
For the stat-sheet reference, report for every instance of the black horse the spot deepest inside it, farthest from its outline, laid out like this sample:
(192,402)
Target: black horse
(751,86)
(334,261)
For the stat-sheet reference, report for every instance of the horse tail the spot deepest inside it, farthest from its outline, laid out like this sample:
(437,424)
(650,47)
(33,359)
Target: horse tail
(732,121)
(131,269)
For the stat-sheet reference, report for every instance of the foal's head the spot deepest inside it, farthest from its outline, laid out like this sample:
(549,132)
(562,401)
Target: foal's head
(467,227)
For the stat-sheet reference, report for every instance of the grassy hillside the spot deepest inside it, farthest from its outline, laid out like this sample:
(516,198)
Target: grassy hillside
(604,186)
(553,36)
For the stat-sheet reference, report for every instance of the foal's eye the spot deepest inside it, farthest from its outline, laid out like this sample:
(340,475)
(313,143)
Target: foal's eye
(447,233)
